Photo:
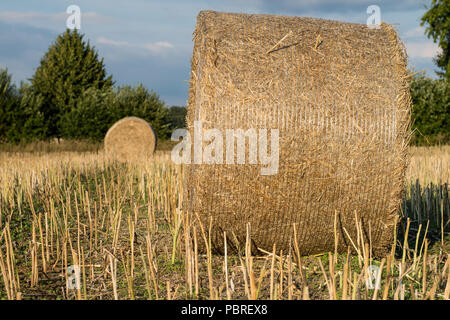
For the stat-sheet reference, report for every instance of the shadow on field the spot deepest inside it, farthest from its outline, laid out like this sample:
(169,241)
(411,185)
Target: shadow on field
(425,215)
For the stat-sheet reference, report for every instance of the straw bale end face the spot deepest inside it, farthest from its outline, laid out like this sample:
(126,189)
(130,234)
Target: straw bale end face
(338,94)
(130,138)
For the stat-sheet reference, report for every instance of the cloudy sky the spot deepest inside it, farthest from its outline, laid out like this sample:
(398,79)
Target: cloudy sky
(150,42)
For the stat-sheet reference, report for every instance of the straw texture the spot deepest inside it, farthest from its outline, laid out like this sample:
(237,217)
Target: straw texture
(339,95)
(130,138)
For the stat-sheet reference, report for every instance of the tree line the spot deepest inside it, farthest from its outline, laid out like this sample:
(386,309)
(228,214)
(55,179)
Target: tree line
(71,96)
(430,110)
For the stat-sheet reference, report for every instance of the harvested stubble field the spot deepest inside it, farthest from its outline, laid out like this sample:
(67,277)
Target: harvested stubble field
(122,224)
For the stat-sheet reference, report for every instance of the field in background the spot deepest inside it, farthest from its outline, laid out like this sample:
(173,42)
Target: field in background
(123,226)
(42,147)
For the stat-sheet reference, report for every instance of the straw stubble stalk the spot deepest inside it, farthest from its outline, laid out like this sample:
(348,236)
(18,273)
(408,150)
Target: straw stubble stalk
(447,286)
(338,93)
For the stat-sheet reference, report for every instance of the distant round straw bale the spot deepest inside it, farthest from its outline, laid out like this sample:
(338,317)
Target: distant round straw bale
(130,138)
(338,95)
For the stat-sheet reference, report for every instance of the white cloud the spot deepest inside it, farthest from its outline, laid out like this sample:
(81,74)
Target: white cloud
(14,16)
(341,5)
(116,43)
(156,47)
(414,33)
(422,49)
(51,20)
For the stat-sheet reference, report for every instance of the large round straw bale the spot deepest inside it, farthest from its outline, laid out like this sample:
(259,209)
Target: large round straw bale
(339,95)
(130,138)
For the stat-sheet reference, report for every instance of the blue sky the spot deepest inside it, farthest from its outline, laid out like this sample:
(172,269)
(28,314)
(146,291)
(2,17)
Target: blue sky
(150,42)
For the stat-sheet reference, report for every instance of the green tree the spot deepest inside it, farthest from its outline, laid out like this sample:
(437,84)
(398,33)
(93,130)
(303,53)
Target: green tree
(92,115)
(177,117)
(8,101)
(140,102)
(27,120)
(98,109)
(69,67)
(21,118)
(430,110)
(437,19)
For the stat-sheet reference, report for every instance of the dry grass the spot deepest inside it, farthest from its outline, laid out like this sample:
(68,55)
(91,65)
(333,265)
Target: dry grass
(430,166)
(123,226)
